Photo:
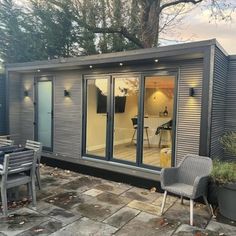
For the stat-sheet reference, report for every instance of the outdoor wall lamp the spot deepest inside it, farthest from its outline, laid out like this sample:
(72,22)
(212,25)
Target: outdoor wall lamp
(191,92)
(66,93)
(26,93)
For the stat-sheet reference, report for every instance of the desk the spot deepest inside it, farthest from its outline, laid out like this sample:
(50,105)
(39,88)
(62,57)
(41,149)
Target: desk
(153,122)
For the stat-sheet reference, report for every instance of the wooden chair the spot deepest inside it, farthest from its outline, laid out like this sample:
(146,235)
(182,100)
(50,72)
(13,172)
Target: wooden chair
(6,142)
(13,174)
(37,147)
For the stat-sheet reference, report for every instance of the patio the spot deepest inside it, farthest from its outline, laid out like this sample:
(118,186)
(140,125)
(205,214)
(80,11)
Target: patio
(75,204)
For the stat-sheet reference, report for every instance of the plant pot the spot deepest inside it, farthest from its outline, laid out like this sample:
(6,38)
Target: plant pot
(226,200)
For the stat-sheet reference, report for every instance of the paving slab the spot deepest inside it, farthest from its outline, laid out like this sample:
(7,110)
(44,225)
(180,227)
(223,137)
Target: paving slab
(93,192)
(82,184)
(76,204)
(22,220)
(113,187)
(220,228)
(141,194)
(66,200)
(148,225)
(170,200)
(100,207)
(43,229)
(181,213)
(122,217)
(86,227)
(60,214)
(187,230)
(145,206)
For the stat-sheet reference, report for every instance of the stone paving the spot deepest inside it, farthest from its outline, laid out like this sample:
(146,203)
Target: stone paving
(74,204)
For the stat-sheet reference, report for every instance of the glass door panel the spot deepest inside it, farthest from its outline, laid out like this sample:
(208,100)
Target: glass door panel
(96,117)
(158,117)
(44,114)
(125,110)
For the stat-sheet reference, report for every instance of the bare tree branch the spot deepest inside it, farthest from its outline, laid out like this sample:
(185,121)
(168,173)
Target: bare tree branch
(169,4)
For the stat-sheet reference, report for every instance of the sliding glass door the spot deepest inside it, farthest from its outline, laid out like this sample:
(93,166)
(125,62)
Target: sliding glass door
(159,100)
(125,118)
(96,116)
(130,119)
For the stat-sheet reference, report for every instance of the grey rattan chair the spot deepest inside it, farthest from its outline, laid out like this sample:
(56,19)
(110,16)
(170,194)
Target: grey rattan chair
(6,142)
(13,174)
(189,180)
(37,147)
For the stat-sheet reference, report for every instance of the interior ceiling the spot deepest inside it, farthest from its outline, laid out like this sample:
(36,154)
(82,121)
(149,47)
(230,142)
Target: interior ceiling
(162,82)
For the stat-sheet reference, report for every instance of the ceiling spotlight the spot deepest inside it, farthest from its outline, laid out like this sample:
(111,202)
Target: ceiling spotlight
(156,60)
(121,64)
(90,66)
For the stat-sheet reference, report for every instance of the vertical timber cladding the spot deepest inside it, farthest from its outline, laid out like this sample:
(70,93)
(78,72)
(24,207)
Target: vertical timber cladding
(189,109)
(230,108)
(2,105)
(218,102)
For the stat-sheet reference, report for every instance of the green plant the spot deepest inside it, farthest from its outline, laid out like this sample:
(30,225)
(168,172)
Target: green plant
(228,141)
(224,171)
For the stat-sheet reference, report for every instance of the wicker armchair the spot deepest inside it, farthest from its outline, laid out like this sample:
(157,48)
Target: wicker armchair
(189,180)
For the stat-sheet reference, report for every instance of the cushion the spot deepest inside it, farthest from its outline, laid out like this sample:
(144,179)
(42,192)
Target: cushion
(181,189)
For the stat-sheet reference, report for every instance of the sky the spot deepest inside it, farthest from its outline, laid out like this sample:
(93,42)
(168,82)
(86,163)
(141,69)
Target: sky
(197,26)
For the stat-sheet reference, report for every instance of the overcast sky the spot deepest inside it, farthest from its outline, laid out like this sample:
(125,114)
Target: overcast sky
(196,26)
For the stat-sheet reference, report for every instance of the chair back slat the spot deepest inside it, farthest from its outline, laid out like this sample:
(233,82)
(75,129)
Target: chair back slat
(36,146)
(193,166)
(19,161)
(6,142)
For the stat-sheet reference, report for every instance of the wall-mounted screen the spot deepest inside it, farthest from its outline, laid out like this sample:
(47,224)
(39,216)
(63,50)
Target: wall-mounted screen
(102,103)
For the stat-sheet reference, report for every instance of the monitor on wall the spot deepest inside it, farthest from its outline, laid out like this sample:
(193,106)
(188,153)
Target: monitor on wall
(102,103)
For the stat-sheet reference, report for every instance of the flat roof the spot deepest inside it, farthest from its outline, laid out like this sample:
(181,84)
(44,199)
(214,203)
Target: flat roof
(182,51)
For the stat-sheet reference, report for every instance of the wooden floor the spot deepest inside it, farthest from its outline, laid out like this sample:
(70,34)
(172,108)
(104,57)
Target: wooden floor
(151,156)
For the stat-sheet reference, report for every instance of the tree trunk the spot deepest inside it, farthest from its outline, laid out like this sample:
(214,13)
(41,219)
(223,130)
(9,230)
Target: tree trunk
(150,22)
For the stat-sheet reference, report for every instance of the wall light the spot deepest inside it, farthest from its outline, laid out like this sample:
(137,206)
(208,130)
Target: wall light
(191,92)
(66,93)
(26,93)
(90,66)
(121,64)
(156,60)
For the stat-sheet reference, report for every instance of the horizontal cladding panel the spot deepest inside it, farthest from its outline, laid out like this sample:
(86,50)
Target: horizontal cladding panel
(68,111)
(67,114)
(189,109)
(218,102)
(230,114)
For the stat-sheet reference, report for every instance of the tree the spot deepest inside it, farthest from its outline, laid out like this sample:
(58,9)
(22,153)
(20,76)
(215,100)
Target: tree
(147,17)
(17,40)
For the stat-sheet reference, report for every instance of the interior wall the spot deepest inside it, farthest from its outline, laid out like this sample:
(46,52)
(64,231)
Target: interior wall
(156,100)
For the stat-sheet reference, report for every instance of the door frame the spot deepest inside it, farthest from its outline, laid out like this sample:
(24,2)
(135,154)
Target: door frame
(175,74)
(110,115)
(86,78)
(38,79)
